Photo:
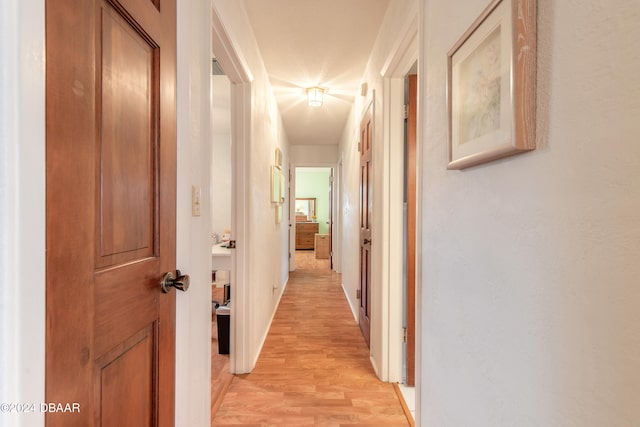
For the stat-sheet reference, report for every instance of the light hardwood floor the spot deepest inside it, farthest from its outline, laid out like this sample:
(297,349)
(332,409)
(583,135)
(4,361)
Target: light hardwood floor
(314,368)
(220,376)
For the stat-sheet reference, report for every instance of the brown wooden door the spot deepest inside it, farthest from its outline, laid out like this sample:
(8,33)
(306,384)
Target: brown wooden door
(366,191)
(111,141)
(410,170)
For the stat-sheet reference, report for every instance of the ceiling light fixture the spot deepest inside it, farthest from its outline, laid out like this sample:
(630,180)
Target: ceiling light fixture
(315,94)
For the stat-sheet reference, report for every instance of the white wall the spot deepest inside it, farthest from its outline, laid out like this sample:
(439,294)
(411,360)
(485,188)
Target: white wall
(221,155)
(530,308)
(349,212)
(193,253)
(221,183)
(22,217)
(266,241)
(314,155)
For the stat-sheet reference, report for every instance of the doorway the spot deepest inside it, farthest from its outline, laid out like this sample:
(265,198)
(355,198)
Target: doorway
(313,217)
(409,227)
(240,112)
(402,63)
(221,214)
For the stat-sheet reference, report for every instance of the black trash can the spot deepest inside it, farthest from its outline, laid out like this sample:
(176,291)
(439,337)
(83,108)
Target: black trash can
(223,318)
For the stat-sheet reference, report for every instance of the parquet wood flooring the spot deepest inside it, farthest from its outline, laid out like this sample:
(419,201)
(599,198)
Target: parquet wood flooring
(314,368)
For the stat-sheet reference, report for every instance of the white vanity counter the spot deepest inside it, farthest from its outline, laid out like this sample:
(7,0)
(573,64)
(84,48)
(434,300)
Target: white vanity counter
(219,249)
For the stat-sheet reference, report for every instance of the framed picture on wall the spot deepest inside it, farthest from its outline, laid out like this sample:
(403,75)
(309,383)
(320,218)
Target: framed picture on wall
(278,157)
(283,186)
(491,85)
(275,184)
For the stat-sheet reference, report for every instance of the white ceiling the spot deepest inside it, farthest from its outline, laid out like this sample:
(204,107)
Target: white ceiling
(307,43)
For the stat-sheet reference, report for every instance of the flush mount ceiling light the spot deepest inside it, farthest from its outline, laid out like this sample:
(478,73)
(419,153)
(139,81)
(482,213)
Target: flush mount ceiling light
(314,95)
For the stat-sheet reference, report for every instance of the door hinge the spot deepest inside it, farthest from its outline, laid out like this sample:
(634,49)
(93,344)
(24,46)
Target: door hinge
(404,335)
(216,69)
(406,111)
(358,294)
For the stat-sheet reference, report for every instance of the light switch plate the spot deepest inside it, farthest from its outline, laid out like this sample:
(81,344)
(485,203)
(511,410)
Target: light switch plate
(196,197)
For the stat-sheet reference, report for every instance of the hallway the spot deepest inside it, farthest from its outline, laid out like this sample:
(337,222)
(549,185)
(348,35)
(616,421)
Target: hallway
(314,368)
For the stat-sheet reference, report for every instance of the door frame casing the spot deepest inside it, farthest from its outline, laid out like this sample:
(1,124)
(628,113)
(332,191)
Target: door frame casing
(22,220)
(393,73)
(410,170)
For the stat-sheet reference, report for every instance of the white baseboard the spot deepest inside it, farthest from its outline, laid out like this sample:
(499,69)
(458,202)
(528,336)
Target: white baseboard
(273,314)
(354,310)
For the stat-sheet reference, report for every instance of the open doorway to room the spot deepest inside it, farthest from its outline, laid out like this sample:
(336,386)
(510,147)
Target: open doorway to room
(409,238)
(313,216)
(404,210)
(221,214)
(231,103)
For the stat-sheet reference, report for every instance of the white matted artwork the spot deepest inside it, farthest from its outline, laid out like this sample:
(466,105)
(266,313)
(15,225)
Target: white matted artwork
(491,85)
(275,184)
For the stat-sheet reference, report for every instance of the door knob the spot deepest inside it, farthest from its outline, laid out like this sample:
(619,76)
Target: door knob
(169,280)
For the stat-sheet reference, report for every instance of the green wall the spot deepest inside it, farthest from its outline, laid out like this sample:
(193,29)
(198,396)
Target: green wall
(314,182)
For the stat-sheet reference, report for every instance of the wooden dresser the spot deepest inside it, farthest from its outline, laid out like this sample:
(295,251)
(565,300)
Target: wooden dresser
(305,234)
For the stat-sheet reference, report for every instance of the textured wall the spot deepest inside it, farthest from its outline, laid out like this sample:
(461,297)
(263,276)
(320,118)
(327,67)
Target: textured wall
(349,217)
(221,155)
(314,155)
(531,265)
(220,183)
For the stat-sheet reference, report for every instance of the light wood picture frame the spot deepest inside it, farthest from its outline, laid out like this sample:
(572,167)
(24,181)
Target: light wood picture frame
(278,157)
(491,85)
(283,186)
